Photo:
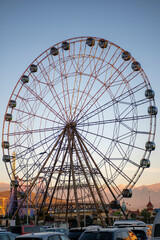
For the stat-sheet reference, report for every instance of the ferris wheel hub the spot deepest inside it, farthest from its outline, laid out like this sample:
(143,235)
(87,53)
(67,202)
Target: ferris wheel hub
(71,125)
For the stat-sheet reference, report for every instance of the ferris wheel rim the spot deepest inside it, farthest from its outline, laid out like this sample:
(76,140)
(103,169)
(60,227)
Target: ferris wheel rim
(70,124)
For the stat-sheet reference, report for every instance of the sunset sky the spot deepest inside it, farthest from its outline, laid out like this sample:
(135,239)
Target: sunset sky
(30,27)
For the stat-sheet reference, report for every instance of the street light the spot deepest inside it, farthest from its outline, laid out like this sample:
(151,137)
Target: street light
(27,192)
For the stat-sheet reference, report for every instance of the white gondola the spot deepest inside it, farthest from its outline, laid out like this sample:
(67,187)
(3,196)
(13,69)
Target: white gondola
(6,158)
(149,93)
(65,46)
(103,43)
(8,117)
(127,193)
(54,51)
(14,183)
(136,66)
(150,146)
(126,56)
(145,163)
(5,144)
(12,103)
(33,68)
(25,79)
(21,194)
(90,42)
(115,204)
(152,110)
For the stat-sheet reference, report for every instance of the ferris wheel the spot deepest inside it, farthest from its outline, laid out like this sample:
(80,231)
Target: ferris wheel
(83,117)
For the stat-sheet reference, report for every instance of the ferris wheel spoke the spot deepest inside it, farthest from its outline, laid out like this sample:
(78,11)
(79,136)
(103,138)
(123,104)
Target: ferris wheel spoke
(105,158)
(22,154)
(73,175)
(66,79)
(92,176)
(44,103)
(110,103)
(82,143)
(57,180)
(68,192)
(126,135)
(110,66)
(88,183)
(38,130)
(90,78)
(54,65)
(123,153)
(63,76)
(127,80)
(39,145)
(79,70)
(43,165)
(30,115)
(99,94)
(112,121)
(52,89)
(75,80)
(95,77)
(22,140)
(26,102)
(119,71)
(51,173)
(88,58)
(128,109)
(39,155)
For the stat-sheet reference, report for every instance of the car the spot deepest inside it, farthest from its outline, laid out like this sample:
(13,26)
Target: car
(106,234)
(139,230)
(7,236)
(3,229)
(149,230)
(3,237)
(75,233)
(132,235)
(25,229)
(156,228)
(128,223)
(140,233)
(43,236)
(62,230)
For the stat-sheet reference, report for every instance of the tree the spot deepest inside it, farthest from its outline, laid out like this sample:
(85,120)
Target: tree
(146,215)
(133,216)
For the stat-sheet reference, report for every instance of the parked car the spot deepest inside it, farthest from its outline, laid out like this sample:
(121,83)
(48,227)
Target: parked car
(128,223)
(75,233)
(140,233)
(156,228)
(139,230)
(106,234)
(149,230)
(3,229)
(132,235)
(43,236)
(62,230)
(7,235)
(3,237)
(26,229)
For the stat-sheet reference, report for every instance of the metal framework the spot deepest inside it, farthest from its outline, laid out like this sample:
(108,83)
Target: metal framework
(80,117)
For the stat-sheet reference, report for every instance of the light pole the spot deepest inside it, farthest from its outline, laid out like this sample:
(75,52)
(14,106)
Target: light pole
(84,208)
(27,192)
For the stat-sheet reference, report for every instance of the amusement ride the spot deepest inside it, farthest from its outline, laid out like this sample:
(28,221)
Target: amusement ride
(79,124)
